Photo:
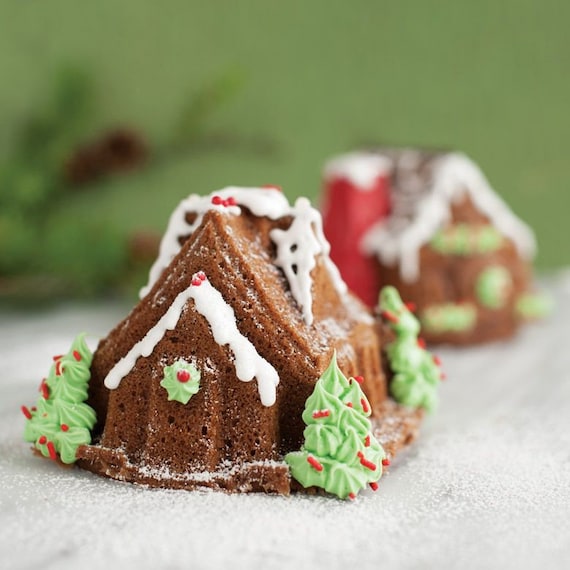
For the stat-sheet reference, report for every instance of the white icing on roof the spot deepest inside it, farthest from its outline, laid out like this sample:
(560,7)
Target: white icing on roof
(268,202)
(147,344)
(249,364)
(297,248)
(418,214)
(221,318)
(360,168)
(305,236)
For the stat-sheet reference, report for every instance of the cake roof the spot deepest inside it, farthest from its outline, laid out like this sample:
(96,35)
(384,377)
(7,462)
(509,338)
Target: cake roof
(297,246)
(425,186)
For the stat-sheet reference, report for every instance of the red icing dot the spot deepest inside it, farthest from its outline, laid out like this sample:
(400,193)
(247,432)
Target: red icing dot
(359,379)
(349,404)
(58,368)
(76,355)
(385,462)
(42,440)
(321,414)
(183,376)
(411,306)
(196,281)
(374,486)
(64,427)
(44,389)
(314,463)
(367,441)
(389,316)
(51,450)
(201,275)
(364,405)
(421,343)
(34,409)
(437,360)
(365,463)
(26,412)
(217,200)
(57,357)
(351,496)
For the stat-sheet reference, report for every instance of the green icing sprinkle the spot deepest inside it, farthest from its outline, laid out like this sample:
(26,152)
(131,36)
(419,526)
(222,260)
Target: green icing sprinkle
(416,375)
(181,381)
(449,317)
(339,454)
(493,287)
(61,420)
(467,239)
(532,305)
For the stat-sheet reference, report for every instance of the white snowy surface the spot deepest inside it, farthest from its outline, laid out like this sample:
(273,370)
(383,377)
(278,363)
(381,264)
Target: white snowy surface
(486,486)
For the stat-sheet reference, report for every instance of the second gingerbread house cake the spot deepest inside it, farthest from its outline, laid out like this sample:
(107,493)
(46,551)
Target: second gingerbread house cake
(433,227)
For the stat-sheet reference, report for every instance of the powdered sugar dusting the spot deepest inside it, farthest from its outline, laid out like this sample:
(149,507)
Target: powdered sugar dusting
(486,486)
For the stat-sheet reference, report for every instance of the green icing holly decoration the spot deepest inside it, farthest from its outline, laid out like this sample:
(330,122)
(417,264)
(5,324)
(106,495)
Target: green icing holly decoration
(416,373)
(61,421)
(181,381)
(339,454)
(467,239)
(493,287)
(449,317)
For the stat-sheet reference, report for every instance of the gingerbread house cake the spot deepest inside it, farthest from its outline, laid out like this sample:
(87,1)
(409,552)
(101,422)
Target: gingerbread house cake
(430,224)
(244,319)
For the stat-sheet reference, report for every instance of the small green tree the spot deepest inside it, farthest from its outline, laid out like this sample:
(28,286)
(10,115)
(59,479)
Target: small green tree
(339,454)
(61,420)
(416,373)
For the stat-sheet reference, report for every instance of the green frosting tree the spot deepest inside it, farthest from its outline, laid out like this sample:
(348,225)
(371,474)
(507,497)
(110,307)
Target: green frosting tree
(416,373)
(61,421)
(340,454)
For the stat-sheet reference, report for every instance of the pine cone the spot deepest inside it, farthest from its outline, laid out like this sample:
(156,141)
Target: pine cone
(118,150)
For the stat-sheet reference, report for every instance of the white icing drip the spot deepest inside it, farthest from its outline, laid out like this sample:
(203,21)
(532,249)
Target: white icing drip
(297,248)
(453,175)
(268,202)
(147,344)
(360,168)
(249,364)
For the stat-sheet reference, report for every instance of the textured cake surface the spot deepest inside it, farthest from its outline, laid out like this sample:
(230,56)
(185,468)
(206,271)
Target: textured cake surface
(226,436)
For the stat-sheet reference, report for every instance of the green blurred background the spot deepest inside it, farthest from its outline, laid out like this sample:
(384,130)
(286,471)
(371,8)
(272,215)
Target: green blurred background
(315,78)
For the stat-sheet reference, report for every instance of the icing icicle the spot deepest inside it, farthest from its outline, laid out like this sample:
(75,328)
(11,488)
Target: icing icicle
(297,248)
(249,364)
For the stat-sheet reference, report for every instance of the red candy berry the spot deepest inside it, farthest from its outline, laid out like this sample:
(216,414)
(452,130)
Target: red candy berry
(198,278)
(217,200)
(183,376)
(231,201)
